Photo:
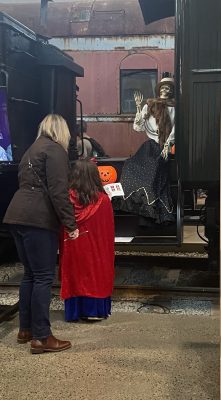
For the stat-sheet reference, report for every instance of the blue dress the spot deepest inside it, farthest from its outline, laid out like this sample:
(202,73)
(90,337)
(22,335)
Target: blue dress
(80,307)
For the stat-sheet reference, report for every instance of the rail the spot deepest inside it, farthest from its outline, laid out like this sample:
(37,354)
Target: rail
(146,277)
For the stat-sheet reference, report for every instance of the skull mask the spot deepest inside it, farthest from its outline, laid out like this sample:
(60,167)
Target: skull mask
(165,91)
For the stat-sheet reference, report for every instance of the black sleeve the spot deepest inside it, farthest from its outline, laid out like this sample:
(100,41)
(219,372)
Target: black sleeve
(57,173)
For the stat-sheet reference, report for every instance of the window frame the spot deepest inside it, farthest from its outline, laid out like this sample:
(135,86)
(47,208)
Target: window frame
(138,70)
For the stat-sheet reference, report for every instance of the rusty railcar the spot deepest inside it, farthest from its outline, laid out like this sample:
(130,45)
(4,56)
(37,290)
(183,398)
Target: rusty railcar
(116,49)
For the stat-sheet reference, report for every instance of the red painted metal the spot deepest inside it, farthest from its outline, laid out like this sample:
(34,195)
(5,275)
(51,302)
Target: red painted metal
(112,17)
(99,89)
(100,94)
(118,138)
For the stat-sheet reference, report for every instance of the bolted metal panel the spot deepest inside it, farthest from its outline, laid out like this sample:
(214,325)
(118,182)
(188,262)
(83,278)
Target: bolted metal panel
(198,75)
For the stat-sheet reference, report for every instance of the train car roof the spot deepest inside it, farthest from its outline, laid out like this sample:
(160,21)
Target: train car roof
(47,54)
(16,25)
(87,18)
(51,55)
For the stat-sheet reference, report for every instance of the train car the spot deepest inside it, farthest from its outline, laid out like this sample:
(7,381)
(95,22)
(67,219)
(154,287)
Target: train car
(125,44)
(36,78)
(118,53)
(198,100)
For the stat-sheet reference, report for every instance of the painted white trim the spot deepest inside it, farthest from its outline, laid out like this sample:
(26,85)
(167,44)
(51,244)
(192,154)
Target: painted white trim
(110,43)
(108,118)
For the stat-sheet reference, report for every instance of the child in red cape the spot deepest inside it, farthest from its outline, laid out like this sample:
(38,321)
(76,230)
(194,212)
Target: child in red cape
(87,263)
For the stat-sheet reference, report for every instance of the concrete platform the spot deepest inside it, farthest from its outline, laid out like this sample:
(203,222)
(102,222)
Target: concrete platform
(190,235)
(130,356)
(191,243)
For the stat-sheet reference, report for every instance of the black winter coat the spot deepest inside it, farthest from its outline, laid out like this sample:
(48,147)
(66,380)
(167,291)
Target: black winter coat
(44,202)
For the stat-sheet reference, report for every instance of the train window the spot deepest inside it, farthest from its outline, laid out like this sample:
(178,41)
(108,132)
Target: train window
(136,79)
(80,15)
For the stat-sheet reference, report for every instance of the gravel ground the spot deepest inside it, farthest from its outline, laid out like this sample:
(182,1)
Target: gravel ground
(166,254)
(179,306)
(7,271)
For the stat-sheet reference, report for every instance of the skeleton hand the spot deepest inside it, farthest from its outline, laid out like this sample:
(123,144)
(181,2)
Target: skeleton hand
(165,151)
(138,97)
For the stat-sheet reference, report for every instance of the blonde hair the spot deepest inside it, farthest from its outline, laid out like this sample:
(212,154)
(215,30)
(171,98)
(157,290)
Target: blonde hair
(55,126)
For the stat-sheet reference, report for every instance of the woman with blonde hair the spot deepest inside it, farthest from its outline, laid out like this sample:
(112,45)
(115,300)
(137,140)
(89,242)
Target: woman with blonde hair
(36,212)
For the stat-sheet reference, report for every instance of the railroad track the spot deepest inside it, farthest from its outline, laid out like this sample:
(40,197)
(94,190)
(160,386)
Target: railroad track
(148,277)
(187,276)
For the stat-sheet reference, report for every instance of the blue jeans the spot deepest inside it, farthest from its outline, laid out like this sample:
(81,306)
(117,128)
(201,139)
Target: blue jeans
(37,250)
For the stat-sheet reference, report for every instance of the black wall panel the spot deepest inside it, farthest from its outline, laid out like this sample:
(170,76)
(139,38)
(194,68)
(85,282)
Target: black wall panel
(198,94)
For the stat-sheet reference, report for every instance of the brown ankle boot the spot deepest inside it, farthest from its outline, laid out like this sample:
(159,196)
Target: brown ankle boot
(24,336)
(51,344)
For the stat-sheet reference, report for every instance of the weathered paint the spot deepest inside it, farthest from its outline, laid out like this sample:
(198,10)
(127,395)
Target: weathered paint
(108,118)
(114,43)
(100,87)
(64,19)
(100,94)
(118,139)
(111,38)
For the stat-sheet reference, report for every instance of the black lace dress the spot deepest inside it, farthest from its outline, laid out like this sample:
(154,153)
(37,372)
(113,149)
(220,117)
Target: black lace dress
(146,186)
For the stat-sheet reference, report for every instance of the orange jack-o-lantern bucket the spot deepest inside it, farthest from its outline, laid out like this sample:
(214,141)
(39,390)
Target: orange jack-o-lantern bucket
(108,174)
(173,149)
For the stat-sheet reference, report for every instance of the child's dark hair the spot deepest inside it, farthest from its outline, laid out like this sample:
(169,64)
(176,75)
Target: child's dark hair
(85,179)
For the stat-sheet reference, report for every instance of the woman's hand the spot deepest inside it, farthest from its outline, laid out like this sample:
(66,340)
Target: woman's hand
(73,234)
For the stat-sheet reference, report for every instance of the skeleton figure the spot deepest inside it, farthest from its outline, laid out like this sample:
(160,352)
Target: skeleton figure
(144,176)
(156,118)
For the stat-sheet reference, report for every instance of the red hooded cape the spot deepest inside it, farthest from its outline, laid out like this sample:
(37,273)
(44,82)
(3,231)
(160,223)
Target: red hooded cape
(87,263)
